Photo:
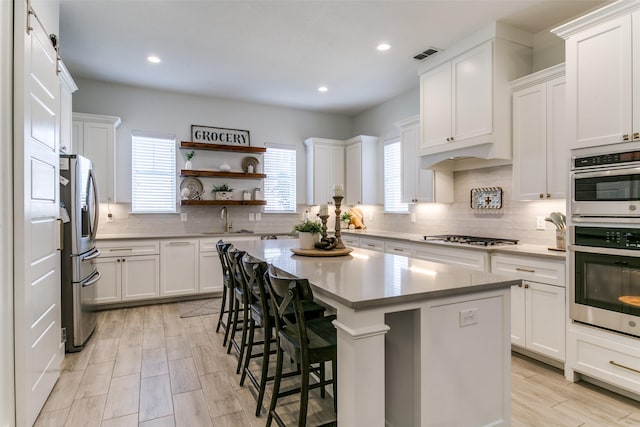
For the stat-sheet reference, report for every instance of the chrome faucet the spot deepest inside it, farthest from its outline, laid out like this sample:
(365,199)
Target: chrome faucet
(224,214)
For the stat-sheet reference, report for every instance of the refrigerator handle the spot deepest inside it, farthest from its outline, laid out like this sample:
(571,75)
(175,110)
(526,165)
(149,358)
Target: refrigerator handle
(94,254)
(96,204)
(61,238)
(93,279)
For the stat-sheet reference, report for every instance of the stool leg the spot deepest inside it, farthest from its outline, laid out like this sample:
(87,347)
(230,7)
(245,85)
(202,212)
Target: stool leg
(266,348)
(323,380)
(243,340)
(248,350)
(334,369)
(230,310)
(304,395)
(223,307)
(276,387)
(234,324)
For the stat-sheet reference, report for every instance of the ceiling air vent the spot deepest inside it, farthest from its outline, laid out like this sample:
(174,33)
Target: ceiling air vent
(426,53)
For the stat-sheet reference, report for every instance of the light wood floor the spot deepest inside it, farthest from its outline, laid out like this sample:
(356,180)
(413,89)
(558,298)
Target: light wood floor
(146,366)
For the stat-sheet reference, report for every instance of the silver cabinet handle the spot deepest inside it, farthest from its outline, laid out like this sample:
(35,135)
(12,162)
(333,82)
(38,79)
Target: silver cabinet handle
(611,362)
(179,243)
(119,249)
(526,270)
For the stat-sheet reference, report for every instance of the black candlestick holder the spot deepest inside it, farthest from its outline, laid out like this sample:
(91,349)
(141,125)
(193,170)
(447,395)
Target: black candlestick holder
(338,200)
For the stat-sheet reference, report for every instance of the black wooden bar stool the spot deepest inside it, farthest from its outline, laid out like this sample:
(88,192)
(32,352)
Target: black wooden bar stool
(240,305)
(227,293)
(261,316)
(306,341)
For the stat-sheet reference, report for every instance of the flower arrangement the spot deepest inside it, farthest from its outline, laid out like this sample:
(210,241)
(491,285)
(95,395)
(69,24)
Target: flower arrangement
(189,155)
(308,226)
(223,187)
(346,216)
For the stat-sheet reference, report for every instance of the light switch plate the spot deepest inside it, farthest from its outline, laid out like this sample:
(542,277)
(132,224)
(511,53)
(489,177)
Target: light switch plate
(541,224)
(183,216)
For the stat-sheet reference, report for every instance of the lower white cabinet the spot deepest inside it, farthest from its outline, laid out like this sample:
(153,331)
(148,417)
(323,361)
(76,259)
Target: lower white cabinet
(179,261)
(537,305)
(350,240)
(372,244)
(467,258)
(130,271)
(398,248)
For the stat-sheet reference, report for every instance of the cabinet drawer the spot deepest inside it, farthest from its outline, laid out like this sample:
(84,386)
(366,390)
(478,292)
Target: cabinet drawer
(372,244)
(351,241)
(609,361)
(528,268)
(129,247)
(208,244)
(398,248)
(473,259)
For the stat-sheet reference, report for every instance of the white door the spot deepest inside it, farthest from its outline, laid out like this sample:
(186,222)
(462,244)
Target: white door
(557,151)
(353,190)
(545,319)
(108,287)
(518,315)
(636,75)
(435,106)
(98,140)
(210,279)
(179,261)
(140,277)
(38,348)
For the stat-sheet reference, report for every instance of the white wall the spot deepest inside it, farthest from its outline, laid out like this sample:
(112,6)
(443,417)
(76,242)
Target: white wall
(48,12)
(379,120)
(173,113)
(6,217)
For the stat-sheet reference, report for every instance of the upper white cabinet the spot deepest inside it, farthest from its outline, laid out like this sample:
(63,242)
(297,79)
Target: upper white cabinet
(325,168)
(362,178)
(67,87)
(603,76)
(540,154)
(464,94)
(420,185)
(94,137)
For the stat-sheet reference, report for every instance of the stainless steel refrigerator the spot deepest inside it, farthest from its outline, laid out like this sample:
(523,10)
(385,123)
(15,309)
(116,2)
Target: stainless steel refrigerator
(79,209)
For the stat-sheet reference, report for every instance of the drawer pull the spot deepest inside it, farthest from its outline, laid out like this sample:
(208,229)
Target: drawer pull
(526,270)
(179,243)
(119,249)
(611,362)
(398,250)
(371,245)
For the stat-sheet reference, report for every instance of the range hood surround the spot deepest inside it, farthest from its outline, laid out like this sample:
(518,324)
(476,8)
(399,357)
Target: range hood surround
(465,155)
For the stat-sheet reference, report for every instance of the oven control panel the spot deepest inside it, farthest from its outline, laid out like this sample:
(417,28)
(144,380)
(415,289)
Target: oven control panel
(606,159)
(605,237)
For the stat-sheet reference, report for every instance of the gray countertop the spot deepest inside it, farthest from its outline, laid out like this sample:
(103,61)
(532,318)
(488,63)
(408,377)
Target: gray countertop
(366,279)
(186,235)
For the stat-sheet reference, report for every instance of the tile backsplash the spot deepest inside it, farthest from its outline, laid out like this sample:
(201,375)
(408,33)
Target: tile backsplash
(516,219)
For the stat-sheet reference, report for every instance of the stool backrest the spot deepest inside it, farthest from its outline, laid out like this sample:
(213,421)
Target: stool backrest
(254,270)
(237,275)
(223,249)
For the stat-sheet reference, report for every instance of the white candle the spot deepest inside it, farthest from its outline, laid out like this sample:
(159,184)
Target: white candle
(324,210)
(337,190)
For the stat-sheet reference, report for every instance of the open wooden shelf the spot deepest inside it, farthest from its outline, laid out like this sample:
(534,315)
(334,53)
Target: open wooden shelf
(222,202)
(218,174)
(218,147)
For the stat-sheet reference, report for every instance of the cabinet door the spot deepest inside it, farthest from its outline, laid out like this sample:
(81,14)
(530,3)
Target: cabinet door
(409,139)
(140,277)
(599,69)
(545,319)
(210,273)
(179,261)
(518,316)
(472,93)
(353,191)
(108,288)
(66,140)
(99,147)
(336,168)
(328,170)
(557,151)
(77,137)
(435,106)
(636,75)
(529,142)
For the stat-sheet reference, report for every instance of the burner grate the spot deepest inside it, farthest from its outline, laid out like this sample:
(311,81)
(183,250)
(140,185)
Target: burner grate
(471,240)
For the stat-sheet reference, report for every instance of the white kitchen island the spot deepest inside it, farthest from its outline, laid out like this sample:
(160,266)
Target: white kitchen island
(419,343)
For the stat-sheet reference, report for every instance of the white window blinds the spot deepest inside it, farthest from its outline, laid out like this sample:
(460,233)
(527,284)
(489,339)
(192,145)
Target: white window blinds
(153,172)
(393,178)
(280,184)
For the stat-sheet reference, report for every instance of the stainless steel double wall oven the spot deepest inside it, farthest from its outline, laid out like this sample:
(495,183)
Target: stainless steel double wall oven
(604,253)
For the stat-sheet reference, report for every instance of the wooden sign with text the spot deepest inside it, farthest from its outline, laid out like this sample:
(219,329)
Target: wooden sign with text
(213,135)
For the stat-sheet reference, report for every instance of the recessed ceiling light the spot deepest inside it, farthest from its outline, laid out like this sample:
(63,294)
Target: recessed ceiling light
(383,46)
(323,89)
(153,58)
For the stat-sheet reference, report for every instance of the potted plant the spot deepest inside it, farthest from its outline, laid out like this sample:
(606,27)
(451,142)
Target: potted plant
(189,156)
(346,219)
(308,233)
(222,192)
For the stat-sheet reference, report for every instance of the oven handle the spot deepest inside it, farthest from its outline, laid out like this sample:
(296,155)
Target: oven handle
(600,171)
(597,220)
(604,251)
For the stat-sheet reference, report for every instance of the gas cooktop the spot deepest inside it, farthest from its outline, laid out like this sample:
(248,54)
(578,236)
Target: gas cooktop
(471,240)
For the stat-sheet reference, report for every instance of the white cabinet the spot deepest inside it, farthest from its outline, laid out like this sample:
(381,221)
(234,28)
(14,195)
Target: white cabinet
(467,258)
(67,87)
(420,185)
(372,244)
(464,95)
(179,267)
(210,269)
(325,168)
(130,271)
(350,240)
(399,248)
(362,176)
(603,76)
(537,305)
(540,153)
(94,137)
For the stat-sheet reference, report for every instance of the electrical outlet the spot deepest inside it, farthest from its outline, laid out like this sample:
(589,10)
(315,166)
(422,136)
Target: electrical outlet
(541,224)
(109,217)
(258,216)
(413,217)
(252,217)
(468,317)
(183,216)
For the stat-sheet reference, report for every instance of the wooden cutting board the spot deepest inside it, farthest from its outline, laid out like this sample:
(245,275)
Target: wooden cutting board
(321,252)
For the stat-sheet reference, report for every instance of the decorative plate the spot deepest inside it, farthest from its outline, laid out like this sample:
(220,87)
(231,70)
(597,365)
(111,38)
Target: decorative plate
(195,187)
(249,161)
(486,198)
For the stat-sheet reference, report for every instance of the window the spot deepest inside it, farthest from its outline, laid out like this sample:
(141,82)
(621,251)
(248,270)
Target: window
(280,184)
(393,178)
(153,172)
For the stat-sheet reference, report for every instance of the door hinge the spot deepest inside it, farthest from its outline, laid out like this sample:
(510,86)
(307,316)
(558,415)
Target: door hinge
(63,335)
